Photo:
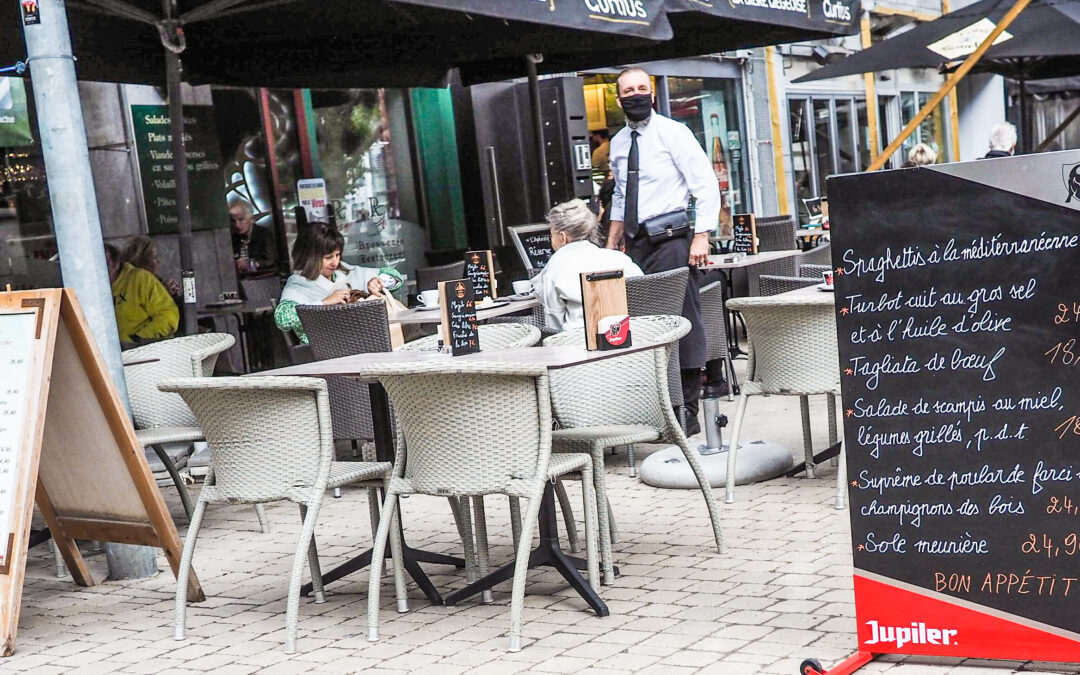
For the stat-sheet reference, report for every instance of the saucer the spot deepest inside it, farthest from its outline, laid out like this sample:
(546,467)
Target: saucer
(424,308)
(517,297)
(825,287)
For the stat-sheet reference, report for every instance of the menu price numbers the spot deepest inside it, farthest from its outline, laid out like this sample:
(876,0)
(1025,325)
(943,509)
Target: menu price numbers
(1064,350)
(1067,313)
(1062,506)
(1071,426)
(1046,545)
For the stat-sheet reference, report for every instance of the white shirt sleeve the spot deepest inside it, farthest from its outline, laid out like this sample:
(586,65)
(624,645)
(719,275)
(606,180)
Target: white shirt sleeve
(697,171)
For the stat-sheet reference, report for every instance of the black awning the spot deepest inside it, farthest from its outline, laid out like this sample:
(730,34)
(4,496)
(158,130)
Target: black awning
(356,43)
(1044,42)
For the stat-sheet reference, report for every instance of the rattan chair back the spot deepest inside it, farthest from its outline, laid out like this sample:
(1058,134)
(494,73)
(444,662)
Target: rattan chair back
(715,318)
(776,233)
(263,292)
(472,429)
(822,255)
(189,356)
(428,278)
(270,437)
(792,345)
(623,390)
(343,330)
(774,285)
(492,336)
(661,294)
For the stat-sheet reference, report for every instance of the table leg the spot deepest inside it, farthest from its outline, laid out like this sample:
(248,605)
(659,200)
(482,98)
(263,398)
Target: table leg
(547,553)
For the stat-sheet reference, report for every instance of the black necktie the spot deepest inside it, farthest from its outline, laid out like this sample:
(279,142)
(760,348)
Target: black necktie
(630,207)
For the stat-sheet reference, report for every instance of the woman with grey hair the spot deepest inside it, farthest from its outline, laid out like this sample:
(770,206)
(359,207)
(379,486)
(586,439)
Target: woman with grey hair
(920,155)
(573,236)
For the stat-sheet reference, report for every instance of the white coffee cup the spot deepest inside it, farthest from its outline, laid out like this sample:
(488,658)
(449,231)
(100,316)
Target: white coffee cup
(429,298)
(522,287)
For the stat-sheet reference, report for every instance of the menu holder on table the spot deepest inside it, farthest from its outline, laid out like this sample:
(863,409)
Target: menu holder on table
(458,327)
(607,317)
(480,270)
(533,244)
(744,229)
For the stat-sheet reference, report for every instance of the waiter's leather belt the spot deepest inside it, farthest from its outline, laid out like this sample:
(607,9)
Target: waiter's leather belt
(673,225)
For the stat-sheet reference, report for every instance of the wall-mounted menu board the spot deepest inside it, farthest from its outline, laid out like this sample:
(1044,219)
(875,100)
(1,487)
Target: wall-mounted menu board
(480,270)
(458,327)
(958,319)
(66,444)
(533,244)
(744,233)
(153,146)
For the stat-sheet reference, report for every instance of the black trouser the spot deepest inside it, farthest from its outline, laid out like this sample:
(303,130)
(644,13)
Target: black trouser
(669,255)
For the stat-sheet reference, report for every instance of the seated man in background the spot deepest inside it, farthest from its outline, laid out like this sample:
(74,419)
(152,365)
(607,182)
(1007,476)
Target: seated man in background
(253,245)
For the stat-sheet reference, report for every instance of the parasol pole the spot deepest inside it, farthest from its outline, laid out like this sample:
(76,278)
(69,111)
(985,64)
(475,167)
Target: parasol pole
(950,84)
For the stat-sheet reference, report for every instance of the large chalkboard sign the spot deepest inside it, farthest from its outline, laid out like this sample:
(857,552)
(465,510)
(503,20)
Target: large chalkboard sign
(744,233)
(205,180)
(533,244)
(480,270)
(958,318)
(459,328)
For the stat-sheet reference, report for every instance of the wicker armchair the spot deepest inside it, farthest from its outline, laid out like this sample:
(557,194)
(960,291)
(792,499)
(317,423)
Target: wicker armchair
(784,267)
(161,417)
(661,294)
(263,291)
(428,278)
(822,255)
(271,440)
(592,419)
(774,285)
(508,451)
(714,314)
(776,233)
(793,352)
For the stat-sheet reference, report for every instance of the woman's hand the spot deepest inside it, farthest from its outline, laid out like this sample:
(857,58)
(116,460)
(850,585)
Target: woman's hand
(339,297)
(375,286)
(172,287)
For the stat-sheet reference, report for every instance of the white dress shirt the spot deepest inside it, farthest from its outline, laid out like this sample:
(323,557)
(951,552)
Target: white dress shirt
(559,284)
(673,166)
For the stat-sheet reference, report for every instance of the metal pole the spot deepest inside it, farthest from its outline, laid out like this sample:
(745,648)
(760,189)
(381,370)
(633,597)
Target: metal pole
(538,127)
(1027,128)
(173,41)
(75,214)
(950,84)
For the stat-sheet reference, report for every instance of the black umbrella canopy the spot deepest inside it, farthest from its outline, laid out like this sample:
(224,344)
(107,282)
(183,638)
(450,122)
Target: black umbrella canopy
(1045,43)
(355,43)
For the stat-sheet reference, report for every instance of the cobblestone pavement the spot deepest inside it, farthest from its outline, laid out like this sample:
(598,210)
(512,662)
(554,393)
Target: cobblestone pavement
(781,593)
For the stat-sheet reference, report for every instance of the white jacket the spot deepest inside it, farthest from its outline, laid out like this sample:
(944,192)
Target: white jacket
(559,284)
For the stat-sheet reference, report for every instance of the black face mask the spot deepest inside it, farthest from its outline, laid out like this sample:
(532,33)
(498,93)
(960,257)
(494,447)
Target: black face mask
(637,107)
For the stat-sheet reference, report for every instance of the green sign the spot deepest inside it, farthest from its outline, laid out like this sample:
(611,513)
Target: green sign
(14,117)
(205,179)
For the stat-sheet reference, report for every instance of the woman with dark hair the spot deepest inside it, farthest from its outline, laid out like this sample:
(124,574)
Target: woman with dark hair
(321,278)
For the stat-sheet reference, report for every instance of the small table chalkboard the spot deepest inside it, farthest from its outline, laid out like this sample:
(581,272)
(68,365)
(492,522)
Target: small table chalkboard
(480,270)
(459,327)
(744,231)
(533,244)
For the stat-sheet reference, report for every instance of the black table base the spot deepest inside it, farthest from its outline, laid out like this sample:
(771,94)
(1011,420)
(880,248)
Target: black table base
(548,554)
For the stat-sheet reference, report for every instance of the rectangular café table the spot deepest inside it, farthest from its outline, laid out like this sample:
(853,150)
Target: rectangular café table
(548,551)
(415,316)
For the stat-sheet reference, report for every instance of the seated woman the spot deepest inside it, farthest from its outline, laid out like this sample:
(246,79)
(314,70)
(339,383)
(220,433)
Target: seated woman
(573,231)
(320,277)
(144,309)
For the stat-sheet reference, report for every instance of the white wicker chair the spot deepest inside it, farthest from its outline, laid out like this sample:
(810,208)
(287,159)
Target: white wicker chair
(622,401)
(471,429)
(792,353)
(271,439)
(162,418)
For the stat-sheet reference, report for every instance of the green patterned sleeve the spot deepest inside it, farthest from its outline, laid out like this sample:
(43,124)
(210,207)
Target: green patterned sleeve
(390,271)
(286,319)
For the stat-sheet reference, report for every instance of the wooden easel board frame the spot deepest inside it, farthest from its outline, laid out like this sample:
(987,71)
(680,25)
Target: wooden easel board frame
(77,457)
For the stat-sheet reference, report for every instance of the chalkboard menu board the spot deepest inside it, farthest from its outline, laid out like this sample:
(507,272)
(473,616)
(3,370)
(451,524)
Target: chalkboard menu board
(459,327)
(153,146)
(744,231)
(480,270)
(958,319)
(533,244)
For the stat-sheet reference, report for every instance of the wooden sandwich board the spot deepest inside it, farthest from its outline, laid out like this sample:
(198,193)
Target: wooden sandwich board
(67,443)
(602,294)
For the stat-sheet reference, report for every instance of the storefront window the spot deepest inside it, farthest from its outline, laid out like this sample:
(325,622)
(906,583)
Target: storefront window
(710,107)
(801,150)
(27,245)
(828,135)
(823,142)
(845,139)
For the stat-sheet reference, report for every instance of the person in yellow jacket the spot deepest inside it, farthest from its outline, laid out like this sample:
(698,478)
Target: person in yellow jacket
(144,309)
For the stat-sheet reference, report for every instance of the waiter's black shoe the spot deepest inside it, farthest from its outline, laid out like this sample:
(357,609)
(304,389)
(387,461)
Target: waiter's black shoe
(693,427)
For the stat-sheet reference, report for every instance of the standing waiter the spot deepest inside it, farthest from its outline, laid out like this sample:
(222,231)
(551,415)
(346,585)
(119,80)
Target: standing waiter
(658,165)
